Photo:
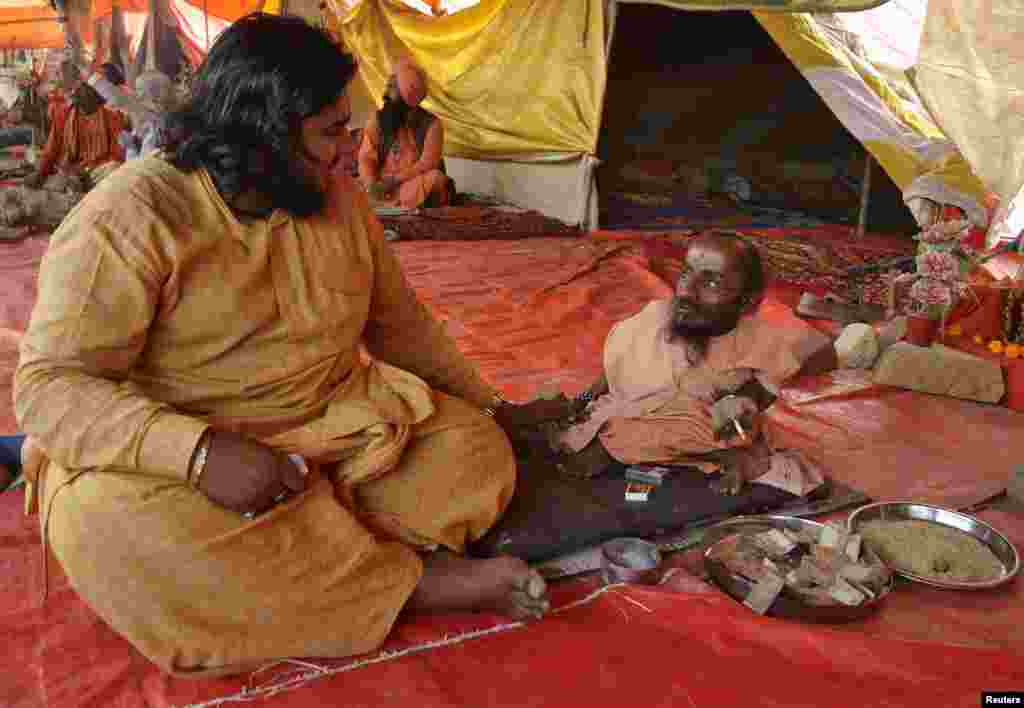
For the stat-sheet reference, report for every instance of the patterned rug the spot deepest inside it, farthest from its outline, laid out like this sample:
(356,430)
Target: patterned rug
(474,223)
(814,259)
(639,211)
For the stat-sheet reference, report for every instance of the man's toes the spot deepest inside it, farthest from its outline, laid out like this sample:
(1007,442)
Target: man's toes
(535,586)
(530,582)
(525,606)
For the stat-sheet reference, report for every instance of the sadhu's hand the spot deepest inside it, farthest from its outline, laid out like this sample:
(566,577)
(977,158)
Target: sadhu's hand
(531,415)
(246,476)
(741,465)
(731,414)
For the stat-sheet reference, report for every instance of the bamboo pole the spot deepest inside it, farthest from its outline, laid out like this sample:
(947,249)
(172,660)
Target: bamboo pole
(865,197)
(151,48)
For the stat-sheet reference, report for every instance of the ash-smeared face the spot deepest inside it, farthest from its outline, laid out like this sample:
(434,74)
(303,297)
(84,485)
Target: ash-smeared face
(710,295)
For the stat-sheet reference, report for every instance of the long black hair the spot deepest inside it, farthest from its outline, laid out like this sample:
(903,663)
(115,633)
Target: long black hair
(263,76)
(391,116)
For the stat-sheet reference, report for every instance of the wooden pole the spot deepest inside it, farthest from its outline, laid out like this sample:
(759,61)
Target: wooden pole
(154,20)
(865,197)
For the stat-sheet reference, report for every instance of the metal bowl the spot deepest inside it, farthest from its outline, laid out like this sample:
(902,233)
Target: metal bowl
(630,560)
(971,525)
(786,605)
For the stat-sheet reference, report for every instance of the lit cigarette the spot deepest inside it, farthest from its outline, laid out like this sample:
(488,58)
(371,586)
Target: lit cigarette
(739,429)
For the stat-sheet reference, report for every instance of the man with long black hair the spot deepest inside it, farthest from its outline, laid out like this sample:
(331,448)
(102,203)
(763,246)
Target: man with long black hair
(401,156)
(251,440)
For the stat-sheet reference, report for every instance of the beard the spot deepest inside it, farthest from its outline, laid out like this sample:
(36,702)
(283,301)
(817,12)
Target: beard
(273,183)
(296,186)
(390,118)
(299,191)
(697,324)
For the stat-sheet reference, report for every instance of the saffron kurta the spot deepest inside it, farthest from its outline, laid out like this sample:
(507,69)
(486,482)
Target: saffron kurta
(160,314)
(405,162)
(81,141)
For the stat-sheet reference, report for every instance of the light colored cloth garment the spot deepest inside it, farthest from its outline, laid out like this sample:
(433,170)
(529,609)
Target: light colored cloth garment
(160,314)
(80,141)
(404,155)
(657,406)
(146,116)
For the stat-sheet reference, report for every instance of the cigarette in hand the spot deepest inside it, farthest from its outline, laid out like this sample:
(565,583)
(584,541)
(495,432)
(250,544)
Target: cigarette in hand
(739,429)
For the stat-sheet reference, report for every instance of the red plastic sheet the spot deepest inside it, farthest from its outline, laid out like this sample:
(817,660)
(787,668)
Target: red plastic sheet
(680,644)
(534,313)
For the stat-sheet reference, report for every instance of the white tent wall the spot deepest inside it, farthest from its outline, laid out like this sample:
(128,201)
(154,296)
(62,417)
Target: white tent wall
(563,190)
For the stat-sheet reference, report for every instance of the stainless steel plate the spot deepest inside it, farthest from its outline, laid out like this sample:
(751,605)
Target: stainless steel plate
(787,604)
(971,525)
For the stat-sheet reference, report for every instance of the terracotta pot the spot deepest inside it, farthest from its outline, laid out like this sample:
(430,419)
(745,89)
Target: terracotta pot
(921,330)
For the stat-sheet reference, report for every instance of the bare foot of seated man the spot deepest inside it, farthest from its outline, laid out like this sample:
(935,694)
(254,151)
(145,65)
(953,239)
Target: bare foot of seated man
(247,477)
(504,585)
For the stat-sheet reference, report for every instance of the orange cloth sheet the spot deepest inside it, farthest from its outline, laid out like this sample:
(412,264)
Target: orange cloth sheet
(534,313)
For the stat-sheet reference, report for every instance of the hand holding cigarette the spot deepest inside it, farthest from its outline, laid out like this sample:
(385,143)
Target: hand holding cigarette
(734,416)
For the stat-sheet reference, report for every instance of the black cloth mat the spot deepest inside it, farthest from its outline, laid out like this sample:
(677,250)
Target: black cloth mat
(551,515)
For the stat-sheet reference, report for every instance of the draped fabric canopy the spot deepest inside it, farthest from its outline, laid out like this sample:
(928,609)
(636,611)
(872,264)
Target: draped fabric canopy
(938,101)
(926,88)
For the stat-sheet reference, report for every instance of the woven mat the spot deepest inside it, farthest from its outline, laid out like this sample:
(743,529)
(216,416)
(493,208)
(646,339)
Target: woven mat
(474,223)
(814,259)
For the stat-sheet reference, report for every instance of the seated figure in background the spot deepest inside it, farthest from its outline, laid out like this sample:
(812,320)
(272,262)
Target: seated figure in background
(81,149)
(83,138)
(685,379)
(401,155)
(146,110)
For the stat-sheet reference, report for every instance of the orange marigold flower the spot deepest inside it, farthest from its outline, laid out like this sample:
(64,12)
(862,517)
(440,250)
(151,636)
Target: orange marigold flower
(1013,351)
(995,346)
(978,339)
(954,330)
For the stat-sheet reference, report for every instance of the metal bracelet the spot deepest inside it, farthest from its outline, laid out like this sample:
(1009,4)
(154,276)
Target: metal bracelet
(498,402)
(195,472)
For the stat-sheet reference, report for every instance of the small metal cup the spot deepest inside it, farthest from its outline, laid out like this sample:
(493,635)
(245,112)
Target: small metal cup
(630,560)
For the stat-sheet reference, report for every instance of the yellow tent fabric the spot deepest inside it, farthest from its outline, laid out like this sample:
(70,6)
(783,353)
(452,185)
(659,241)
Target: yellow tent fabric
(970,75)
(512,79)
(895,129)
(766,5)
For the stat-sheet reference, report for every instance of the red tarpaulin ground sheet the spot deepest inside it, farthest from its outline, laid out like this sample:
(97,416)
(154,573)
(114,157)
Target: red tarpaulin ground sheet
(534,313)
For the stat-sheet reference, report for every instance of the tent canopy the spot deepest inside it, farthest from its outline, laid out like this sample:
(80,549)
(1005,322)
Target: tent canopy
(546,67)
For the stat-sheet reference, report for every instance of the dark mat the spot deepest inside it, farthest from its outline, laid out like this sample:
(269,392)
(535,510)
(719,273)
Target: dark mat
(551,515)
(10,451)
